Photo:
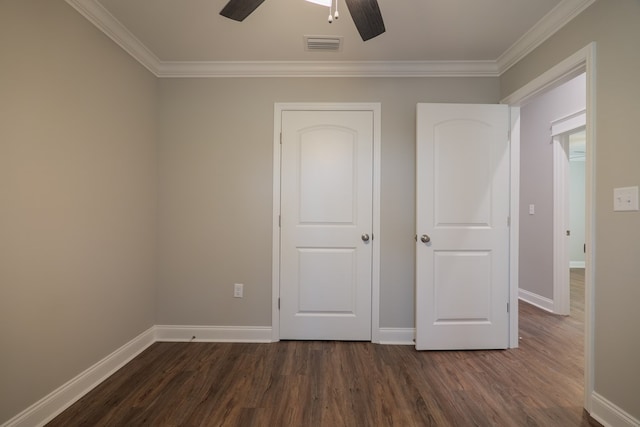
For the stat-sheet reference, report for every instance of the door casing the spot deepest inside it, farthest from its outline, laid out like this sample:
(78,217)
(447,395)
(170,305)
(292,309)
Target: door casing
(375,108)
(582,61)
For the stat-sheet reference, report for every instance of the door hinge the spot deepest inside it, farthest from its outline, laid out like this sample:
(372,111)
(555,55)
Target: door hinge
(507,307)
(279,220)
(509,221)
(278,303)
(280,138)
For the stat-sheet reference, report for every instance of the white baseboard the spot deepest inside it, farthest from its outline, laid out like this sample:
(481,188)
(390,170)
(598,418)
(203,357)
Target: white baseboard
(256,334)
(64,396)
(609,415)
(397,336)
(60,399)
(67,394)
(576,264)
(535,299)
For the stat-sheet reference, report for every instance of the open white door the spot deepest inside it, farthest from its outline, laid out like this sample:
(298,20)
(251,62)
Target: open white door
(462,220)
(561,131)
(327,225)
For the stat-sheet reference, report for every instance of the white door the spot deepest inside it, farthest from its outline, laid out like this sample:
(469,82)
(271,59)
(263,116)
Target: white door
(462,265)
(567,133)
(326,225)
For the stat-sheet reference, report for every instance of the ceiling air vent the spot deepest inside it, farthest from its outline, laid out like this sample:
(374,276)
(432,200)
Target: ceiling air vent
(322,43)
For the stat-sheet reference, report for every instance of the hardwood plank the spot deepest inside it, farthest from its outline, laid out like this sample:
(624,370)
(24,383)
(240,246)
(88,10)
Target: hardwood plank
(299,383)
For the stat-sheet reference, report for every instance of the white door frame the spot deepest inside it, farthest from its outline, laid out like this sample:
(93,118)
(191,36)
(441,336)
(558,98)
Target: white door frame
(582,61)
(559,132)
(375,264)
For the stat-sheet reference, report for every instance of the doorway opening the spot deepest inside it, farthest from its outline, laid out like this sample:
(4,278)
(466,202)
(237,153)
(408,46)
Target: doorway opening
(569,245)
(576,142)
(581,62)
(577,245)
(547,123)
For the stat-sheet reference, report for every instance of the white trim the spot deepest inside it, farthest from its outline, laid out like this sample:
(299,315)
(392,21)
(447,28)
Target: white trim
(608,414)
(275,226)
(514,230)
(534,299)
(569,123)
(64,396)
(555,76)
(576,264)
(67,394)
(561,285)
(553,21)
(328,69)
(279,107)
(254,334)
(590,225)
(584,59)
(397,336)
(95,13)
(375,272)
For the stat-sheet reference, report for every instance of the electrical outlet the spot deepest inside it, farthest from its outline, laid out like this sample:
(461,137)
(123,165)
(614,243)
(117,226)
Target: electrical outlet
(238,290)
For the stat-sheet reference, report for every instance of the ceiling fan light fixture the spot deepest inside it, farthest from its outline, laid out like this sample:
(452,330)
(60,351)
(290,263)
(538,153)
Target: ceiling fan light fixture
(333,11)
(326,3)
(366,14)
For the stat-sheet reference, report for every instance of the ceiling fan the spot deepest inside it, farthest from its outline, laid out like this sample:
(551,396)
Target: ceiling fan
(365,13)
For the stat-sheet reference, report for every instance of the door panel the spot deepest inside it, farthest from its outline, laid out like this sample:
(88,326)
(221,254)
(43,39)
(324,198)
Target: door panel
(327,175)
(454,153)
(466,274)
(462,282)
(326,207)
(327,282)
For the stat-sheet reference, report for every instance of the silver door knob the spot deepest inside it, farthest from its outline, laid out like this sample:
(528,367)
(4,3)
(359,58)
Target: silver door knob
(365,237)
(425,238)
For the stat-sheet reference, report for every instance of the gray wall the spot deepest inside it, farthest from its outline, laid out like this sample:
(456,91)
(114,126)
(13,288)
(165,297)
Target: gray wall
(613,25)
(536,182)
(77,199)
(78,185)
(216,145)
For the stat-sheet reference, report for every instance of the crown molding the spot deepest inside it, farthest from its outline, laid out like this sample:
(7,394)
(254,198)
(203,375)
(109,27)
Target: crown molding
(329,69)
(94,12)
(553,21)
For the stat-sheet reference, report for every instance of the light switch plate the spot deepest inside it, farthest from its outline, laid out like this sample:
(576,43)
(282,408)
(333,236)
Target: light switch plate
(625,199)
(238,290)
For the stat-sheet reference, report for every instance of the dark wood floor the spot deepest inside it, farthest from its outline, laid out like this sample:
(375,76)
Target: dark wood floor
(351,384)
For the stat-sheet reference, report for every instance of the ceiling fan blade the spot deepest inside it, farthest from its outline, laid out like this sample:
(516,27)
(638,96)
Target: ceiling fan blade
(239,9)
(367,17)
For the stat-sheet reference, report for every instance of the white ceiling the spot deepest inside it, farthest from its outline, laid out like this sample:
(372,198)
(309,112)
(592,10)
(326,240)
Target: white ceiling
(184,37)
